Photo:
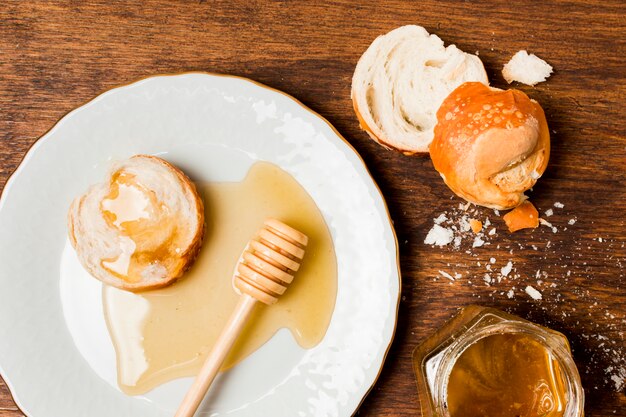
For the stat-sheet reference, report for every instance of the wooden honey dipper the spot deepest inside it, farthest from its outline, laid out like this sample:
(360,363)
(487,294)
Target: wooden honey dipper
(264,271)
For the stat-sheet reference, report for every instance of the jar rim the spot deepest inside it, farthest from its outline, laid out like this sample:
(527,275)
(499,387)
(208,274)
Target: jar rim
(552,343)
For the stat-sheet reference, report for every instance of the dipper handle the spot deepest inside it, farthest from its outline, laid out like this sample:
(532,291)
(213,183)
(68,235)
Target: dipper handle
(265,269)
(214,361)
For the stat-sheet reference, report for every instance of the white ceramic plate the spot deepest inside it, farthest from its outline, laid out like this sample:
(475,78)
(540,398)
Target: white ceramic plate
(55,353)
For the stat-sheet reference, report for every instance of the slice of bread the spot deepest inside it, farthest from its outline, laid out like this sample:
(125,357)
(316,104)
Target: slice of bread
(140,229)
(526,69)
(400,82)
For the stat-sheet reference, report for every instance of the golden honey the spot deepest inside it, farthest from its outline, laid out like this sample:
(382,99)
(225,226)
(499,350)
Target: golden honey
(147,230)
(163,334)
(506,375)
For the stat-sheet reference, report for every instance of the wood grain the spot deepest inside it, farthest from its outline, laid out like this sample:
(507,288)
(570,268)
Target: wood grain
(56,55)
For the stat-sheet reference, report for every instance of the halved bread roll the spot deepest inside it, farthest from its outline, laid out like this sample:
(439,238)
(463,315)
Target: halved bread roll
(140,229)
(400,82)
(490,145)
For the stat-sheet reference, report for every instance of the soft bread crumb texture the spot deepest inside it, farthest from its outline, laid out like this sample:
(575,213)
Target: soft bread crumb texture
(524,216)
(141,228)
(439,236)
(526,68)
(490,145)
(400,82)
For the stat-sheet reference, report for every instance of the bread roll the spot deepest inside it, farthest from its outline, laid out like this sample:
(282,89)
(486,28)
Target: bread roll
(400,82)
(490,145)
(140,229)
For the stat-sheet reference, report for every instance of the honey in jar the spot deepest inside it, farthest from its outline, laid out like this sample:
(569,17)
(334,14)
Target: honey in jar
(488,363)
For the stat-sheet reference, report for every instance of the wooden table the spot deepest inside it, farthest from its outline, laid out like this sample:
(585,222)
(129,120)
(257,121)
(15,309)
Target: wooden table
(56,55)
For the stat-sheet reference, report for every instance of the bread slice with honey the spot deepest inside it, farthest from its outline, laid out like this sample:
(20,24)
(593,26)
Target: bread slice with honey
(400,82)
(142,228)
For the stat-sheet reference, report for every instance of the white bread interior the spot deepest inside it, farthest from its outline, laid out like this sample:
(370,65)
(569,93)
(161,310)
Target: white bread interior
(400,82)
(176,236)
(526,69)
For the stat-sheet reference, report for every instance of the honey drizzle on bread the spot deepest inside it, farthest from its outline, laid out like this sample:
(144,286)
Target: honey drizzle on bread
(149,233)
(140,229)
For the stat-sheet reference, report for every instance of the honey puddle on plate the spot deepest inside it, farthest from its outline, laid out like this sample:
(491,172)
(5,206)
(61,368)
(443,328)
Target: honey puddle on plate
(164,334)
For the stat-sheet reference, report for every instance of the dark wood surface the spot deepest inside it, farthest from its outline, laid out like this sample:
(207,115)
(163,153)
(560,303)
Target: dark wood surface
(56,55)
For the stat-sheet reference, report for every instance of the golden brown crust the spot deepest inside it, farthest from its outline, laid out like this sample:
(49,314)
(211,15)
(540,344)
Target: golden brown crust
(490,145)
(70,222)
(524,216)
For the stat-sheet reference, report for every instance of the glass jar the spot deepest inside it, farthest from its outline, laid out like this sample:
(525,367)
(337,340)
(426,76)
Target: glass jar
(435,358)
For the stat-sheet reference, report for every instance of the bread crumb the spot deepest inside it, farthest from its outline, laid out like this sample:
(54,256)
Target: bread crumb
(571,221)
(510,293)
(618,377)
(492,232)
(548,224)
(439,236)
(534,294)
(478,242)
(526,68)
(559,205)
(440,219)
(549,212)
(465,224)
(476,225)
(446,275)
(506,270)
(524,216)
